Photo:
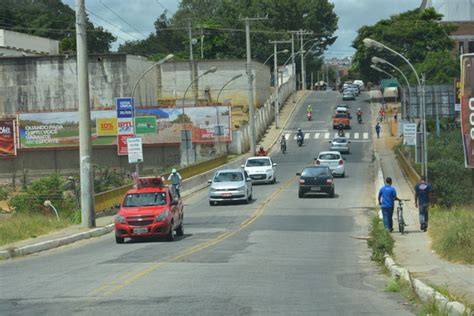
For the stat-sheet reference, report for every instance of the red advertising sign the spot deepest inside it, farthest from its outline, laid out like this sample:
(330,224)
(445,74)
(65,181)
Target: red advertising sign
(122,148)
(467,108)
(7,139)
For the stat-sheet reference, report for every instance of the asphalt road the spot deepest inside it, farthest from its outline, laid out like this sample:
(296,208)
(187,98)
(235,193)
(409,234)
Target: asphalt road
(279,255)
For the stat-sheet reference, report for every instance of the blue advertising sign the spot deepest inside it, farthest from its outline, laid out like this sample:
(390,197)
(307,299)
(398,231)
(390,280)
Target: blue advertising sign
(125,107)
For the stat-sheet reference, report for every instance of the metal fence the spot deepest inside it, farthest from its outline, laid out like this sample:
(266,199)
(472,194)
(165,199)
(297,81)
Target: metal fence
(439,99)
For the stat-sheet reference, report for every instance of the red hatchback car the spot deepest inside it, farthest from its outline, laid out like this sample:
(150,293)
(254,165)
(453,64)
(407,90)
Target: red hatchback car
(151,210)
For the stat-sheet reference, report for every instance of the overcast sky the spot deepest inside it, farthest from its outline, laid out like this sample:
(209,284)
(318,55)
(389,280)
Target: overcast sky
(141,14)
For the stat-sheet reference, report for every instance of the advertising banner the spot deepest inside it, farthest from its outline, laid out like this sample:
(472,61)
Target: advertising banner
(145,125)
(58,129)
(125,107)
(467,108)
(122,146)
(7,139)
(124,126)
(409,134)
(106,126)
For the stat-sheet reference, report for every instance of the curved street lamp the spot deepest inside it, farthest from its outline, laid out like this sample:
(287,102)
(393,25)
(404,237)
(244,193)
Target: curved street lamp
(368,42)
(210,70)
(381,70)
(225,85)
(377,60)
(161,61)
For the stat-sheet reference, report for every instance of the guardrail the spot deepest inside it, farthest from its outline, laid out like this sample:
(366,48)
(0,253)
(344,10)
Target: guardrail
(107,200)
(412,176)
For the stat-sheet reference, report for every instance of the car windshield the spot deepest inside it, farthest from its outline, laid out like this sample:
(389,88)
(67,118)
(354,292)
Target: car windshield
(314,172)
(339,140)
(341,115)
(228,177)
(329,157)
(145,199)
(258,162)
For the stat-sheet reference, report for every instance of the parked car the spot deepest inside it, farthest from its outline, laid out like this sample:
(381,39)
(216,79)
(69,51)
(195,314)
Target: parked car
(150,210)
(260,169)
(348,95)
(341,118)
(340,144)
(315,179)
(333,160)
(230,185)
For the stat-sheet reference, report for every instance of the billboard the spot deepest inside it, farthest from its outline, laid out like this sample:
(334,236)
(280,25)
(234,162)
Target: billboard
(106,126)
(145,125)
(7,139)
(467,108)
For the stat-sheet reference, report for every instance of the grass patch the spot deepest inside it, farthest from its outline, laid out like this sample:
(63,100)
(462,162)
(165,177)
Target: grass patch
(379,240)
(25,226)
(393,286)
(452,232)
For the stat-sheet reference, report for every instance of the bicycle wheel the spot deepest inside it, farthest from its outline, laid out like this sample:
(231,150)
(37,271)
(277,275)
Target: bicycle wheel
(401,223)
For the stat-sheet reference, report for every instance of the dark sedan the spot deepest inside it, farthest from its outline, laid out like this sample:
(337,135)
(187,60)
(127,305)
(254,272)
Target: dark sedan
(316,179)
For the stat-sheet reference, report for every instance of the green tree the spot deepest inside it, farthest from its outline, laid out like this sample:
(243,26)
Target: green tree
(54,20)
(416,34)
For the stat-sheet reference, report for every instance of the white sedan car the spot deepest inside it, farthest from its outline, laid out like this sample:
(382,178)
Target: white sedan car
(260,169)
(340,144)
(332,159)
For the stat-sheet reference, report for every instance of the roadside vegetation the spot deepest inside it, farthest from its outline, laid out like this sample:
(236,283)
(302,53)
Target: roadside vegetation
(379,240)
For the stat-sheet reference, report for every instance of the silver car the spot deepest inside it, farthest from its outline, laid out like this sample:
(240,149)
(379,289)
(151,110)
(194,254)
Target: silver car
(230,185)
(340,144)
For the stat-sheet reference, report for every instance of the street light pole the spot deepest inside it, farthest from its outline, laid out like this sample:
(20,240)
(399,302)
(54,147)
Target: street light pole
(276,81)
(85,141)
(372,43)
(210,70)
(377,60)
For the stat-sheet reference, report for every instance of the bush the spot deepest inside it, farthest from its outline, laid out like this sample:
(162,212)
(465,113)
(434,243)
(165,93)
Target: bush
(47,188)
(452,232)
(106,179)
(4,192)
(379,240)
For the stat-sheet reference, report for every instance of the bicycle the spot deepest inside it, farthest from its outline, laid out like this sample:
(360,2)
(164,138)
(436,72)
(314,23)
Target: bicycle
(400,219)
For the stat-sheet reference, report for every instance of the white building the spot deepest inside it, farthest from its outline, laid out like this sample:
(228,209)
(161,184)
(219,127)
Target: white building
(20,44)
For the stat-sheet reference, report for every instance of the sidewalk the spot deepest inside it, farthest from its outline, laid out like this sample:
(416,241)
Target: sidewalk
(105,224)
(413,250)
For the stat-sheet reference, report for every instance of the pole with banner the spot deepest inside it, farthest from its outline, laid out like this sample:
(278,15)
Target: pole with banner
(135,153)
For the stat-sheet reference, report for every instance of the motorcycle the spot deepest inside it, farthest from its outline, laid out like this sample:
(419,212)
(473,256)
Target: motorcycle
(176,189)
(359,119)
(309,115)
(283,147)
(299,140)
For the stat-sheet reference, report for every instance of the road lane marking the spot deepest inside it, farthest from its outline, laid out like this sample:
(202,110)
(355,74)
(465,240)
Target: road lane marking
(356,135)
(326,135)
(287,136)
(316,135)
(116,285)
(366,135)
(348,134)
(306,135)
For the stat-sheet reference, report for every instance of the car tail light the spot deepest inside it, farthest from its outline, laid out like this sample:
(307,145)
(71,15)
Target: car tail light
(302,181)
(341,162)
(318,162)
(329,181)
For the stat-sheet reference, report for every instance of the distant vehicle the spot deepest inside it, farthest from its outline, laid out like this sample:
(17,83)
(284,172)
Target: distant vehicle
(343,110)
(353,89)
(150,210)
(343,105)
(315,179)
(340,144)
(260,169)
(341,118)
(333,160)
(230,185)
(360,83)
(348,95)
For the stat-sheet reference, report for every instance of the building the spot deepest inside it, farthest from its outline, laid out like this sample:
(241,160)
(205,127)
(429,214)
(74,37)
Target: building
(19,44)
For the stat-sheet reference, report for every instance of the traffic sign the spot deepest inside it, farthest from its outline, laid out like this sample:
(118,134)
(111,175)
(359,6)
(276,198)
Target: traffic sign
(135,151)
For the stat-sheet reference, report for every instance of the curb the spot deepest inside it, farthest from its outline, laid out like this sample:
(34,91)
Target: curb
(50,244)
(425,293)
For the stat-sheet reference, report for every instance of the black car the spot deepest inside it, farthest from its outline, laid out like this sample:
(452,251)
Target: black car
(316,179)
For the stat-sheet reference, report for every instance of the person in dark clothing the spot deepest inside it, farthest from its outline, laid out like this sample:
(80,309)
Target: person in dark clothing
(422,200)
(377,129)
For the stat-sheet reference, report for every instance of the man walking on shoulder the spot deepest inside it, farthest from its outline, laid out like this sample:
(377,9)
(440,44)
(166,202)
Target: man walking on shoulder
(422,200)
(387,197)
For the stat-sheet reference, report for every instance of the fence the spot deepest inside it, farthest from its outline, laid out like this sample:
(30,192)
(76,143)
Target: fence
(439,99)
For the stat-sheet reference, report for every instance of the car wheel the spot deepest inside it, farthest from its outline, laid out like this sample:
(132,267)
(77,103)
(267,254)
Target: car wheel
(331,194)
(300,194)
(119,240)
(171,233)
(211,203)
(180,230)
(274,180)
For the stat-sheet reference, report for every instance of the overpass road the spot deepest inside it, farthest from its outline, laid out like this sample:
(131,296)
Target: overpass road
(279,255)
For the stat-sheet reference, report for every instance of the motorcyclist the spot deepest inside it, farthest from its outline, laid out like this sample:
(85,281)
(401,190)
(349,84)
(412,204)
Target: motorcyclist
(359,115)
(340,129)
(261,152)
(283,143)
(300,134)
(309,111)
(175,179)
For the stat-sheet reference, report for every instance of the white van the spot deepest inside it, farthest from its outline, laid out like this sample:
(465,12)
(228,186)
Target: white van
(360,83)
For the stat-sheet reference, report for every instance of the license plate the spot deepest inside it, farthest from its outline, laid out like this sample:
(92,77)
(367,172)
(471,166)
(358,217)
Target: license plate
(226,194)
(315,189)
(140,230)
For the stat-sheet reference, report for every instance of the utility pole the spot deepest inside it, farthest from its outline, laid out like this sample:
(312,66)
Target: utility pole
(253,141)
(85,141)
(303,70)
(202,44)
(293,64)
(275,74)
(191,62)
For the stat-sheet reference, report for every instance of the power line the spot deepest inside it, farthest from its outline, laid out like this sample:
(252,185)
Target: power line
(113,25)
(123,20)
(166,9)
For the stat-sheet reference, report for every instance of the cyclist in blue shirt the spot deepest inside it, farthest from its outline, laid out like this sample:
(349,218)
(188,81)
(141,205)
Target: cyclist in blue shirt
(387,198)
(422,200)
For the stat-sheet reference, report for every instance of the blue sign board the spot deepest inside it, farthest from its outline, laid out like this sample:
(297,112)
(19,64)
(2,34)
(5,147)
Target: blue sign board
(125,107)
